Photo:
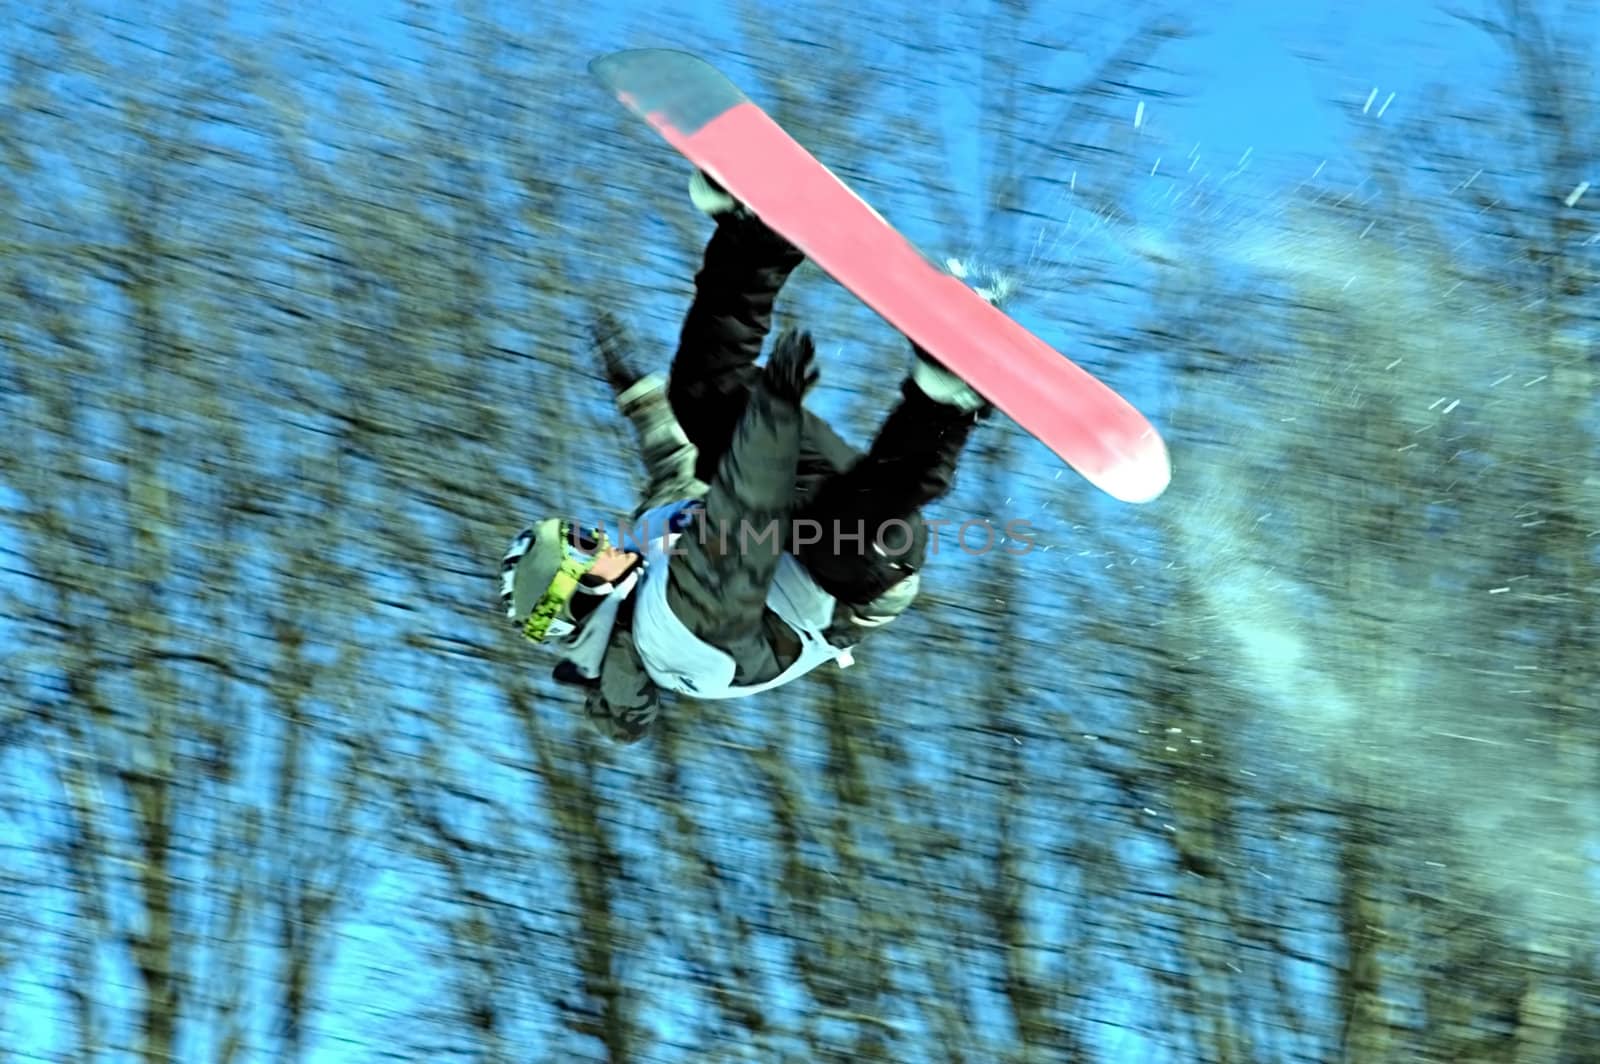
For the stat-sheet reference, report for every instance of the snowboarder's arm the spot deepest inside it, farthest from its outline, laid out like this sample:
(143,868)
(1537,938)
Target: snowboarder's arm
(719,577)
(623,702)
(669,457)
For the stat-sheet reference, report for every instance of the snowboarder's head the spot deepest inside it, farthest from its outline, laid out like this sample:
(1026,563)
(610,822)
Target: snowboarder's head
(555,574)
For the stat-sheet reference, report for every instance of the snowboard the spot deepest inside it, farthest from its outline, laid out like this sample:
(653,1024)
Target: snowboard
(719,129)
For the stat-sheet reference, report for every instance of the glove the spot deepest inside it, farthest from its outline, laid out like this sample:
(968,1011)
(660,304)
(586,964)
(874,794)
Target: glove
(790,372)
(611,341)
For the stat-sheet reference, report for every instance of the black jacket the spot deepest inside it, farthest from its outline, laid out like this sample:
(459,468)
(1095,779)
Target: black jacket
(718,594)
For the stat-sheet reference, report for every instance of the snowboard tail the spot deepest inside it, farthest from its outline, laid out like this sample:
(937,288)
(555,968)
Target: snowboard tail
(720,130)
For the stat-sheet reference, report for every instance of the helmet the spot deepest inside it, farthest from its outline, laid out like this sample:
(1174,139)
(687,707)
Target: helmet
(544,568)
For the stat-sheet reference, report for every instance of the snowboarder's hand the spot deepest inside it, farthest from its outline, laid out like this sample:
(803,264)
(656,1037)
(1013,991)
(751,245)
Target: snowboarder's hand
(790,371)
(611,341)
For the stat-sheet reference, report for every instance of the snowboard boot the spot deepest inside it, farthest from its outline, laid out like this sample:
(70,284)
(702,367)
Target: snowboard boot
(712,199)
(931,376)
(942,386)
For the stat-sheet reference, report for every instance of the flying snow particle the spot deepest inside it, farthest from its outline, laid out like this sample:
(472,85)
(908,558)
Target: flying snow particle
(1373,95)
(1386,104)
(1138,115)
(1577,194)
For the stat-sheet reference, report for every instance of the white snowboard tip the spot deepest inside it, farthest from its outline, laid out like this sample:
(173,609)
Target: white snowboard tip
(1140,477)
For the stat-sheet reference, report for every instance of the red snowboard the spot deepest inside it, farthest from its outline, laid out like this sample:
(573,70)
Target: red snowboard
(717,128)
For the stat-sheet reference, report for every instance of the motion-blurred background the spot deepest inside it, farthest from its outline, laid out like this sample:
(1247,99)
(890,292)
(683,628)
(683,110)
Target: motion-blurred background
(1298,763)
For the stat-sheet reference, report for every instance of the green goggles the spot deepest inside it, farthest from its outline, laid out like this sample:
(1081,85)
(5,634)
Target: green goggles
(581,549)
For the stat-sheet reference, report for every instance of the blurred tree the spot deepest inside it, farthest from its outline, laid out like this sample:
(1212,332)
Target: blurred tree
(1387,558)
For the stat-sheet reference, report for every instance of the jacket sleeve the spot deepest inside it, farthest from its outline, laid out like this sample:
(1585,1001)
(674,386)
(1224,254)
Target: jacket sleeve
(723,566)
(623,702)
(669,457)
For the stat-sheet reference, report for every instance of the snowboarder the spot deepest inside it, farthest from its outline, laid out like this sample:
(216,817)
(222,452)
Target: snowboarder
(765,545)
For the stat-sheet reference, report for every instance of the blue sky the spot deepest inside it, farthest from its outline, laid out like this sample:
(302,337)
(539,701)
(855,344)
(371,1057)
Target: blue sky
(1256,89)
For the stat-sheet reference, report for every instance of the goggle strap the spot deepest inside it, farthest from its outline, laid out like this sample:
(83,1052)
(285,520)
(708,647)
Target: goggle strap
(555,598)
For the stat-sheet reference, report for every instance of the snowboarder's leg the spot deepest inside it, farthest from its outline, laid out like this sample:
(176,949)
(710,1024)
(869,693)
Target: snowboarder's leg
(867,520)
(744,267)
